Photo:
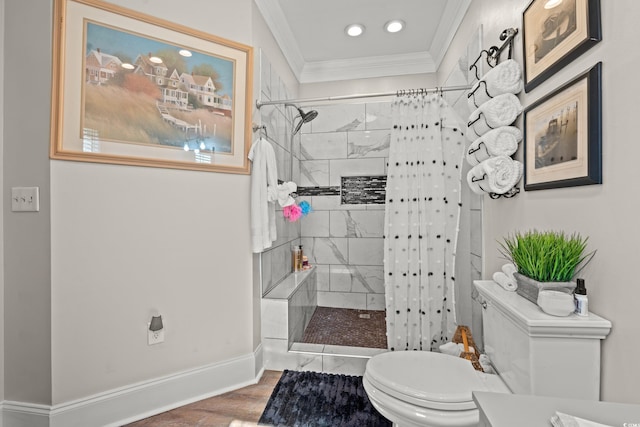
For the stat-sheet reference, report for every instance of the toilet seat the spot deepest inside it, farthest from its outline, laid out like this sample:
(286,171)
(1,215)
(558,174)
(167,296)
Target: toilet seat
(430,380)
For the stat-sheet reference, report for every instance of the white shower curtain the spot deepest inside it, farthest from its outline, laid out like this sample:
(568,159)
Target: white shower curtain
(421,222)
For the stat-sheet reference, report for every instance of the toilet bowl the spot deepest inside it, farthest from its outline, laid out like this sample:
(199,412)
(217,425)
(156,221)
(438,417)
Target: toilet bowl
(531,351)
(426,389)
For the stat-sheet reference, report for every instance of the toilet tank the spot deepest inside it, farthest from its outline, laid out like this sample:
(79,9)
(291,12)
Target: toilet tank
(536,353)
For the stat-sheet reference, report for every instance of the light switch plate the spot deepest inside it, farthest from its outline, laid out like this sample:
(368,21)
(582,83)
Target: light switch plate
(25,199)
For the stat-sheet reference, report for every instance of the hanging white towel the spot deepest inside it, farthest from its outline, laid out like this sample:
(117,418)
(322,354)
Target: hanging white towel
(499,111)
(495,175)
(505,77)
(502,141)
(264,181)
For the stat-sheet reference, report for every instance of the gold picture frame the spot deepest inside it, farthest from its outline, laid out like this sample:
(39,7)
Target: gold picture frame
(563,135)
(133,89)
(555,32)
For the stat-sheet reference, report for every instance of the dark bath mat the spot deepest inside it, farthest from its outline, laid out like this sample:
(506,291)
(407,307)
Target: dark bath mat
(315,399)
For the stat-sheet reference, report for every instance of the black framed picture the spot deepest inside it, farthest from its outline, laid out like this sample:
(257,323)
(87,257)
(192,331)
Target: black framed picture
(555,32)
(563,135)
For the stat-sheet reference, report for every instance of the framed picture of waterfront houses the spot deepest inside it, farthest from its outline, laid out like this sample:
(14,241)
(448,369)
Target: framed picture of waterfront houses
(133,89)
(555,32)
(563,135)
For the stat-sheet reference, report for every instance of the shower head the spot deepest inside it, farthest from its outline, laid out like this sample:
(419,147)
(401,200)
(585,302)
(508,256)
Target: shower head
(304,117)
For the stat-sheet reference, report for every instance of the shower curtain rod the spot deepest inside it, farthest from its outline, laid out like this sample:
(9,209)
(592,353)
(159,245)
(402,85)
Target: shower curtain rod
(367,95)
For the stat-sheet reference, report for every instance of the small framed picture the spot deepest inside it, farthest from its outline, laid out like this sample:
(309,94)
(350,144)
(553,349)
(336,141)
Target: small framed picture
(563,135)
(555,32)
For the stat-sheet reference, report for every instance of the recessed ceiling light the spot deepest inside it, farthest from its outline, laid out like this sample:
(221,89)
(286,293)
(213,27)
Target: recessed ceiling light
(550,4)
(394,26)
(155,60)
(127,66)
(185,53)
(354,30)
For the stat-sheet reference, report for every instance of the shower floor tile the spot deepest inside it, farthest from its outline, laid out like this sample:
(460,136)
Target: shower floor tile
(347,327)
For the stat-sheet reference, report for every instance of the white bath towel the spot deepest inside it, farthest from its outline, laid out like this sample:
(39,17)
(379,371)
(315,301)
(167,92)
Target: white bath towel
(499,111)
(509,269)
(503,280)
(506,77)
(264,180)
(502,141)
(503,173)
(495,175)
(284,193)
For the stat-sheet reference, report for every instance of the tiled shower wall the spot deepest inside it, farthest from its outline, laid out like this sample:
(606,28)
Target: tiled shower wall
(344,241)
(275,262)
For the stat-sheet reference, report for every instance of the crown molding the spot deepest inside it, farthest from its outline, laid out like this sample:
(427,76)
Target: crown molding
(279,27)
(360,68)
(369,67)
(451,19)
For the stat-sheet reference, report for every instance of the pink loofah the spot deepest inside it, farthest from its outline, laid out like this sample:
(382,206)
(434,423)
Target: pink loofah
(292,212)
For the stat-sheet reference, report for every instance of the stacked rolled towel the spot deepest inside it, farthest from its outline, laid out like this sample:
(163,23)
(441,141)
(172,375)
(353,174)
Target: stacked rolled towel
(503,280)
(495,175)
(505,77)
(502,141)
(509,269)
(499,111)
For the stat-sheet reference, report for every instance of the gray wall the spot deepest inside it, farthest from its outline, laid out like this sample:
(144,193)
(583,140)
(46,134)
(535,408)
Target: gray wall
(27,237)
(2,321)
(606,213)
(110,246)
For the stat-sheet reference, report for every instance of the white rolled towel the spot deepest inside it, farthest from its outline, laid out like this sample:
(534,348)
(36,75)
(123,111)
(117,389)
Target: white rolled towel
(499,111)
(454,349)
(477,180)
(503,173)
(502,141)
(450,348)
(505,77)
(503,280)
(509,269)
(495,175)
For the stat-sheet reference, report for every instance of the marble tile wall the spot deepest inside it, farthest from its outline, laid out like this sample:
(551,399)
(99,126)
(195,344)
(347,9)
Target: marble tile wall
(275,262)
(344,241)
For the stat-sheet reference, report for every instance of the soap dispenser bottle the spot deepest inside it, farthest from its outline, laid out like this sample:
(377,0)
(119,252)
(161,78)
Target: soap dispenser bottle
(295,258)
(580,295)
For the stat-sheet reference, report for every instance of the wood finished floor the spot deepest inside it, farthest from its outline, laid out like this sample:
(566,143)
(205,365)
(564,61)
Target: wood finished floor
(238,408)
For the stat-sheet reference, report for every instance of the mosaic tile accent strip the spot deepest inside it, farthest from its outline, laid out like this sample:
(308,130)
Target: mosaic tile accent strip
(318,191)
(359,190)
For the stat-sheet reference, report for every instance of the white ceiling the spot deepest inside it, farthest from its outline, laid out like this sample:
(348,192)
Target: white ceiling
(312,38)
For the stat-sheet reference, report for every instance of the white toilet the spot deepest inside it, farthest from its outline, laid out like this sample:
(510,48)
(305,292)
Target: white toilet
(532,352)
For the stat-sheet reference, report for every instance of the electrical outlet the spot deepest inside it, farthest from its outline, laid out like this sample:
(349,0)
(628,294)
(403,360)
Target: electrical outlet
(155,337)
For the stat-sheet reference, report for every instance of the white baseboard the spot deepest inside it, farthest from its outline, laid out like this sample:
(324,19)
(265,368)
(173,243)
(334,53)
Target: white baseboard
(137,401)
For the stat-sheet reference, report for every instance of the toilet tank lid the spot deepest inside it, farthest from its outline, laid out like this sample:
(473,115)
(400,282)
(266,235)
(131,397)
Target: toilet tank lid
(529,317)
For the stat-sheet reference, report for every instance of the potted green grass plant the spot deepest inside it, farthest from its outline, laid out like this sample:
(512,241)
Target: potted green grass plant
(545,260)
